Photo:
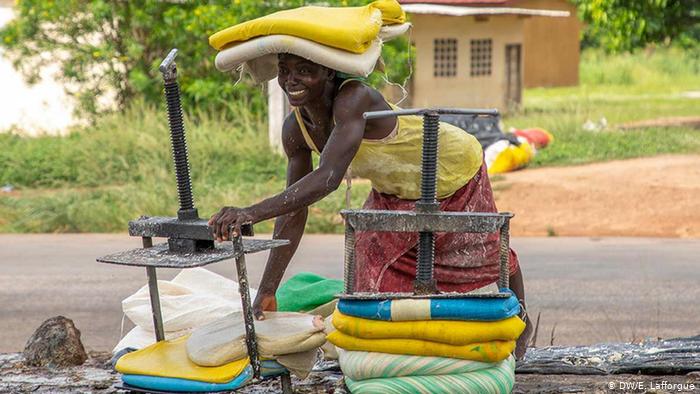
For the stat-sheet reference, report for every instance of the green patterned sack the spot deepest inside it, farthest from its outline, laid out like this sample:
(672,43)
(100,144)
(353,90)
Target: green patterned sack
(368,365)
(495,380)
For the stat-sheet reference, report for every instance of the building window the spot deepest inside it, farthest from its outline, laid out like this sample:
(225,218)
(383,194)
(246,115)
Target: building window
(480,57)
(445,57)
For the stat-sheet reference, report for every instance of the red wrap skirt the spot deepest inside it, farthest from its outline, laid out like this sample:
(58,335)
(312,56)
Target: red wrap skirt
(463,262)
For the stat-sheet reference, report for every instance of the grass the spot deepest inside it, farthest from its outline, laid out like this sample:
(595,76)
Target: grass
(621,89)
(99,177)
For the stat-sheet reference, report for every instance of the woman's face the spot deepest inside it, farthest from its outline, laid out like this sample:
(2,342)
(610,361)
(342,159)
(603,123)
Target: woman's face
(302,80)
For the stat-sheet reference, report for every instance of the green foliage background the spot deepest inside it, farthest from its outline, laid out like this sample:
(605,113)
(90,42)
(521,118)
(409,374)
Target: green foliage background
(626,25)
(113,48)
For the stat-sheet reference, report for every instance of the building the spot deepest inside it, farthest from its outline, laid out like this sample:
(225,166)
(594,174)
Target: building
(478,53)
(561,52)
(481,53)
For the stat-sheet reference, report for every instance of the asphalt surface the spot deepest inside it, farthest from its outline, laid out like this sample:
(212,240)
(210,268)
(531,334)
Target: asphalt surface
(585,290)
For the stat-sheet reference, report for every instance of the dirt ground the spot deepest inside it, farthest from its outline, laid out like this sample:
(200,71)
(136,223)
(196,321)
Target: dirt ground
(646,197)
(96,376)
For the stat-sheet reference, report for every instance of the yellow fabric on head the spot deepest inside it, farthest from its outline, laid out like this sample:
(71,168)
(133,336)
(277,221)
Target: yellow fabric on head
(492,351)
(452,332)
(348,28)
(169,359)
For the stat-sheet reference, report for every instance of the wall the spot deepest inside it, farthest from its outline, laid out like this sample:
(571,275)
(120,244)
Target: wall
(551,45)
(462,90)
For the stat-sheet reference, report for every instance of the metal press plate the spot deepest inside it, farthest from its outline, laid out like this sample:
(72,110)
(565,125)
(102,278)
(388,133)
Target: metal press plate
(413,221)
(395,296)
(160,256)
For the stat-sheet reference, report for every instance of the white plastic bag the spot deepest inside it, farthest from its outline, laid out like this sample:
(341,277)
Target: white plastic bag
(193,298)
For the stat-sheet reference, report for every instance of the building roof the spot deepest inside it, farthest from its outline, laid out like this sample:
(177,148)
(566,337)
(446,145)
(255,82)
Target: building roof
(452,10)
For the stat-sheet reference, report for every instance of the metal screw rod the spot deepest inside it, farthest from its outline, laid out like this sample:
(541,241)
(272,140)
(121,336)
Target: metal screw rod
(177,138)
(431,125)
(428,203)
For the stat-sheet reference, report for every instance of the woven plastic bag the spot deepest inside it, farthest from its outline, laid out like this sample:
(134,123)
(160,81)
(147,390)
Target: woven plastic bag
(349,28)
(193,298)
(281,333)
(496,380)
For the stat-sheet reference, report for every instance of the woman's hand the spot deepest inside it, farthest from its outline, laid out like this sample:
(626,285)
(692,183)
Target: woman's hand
(230,218)
(264,302)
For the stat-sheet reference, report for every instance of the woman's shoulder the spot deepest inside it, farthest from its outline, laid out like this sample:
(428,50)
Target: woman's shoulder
(354,85)
(358,93)
(354,93)
(354,81)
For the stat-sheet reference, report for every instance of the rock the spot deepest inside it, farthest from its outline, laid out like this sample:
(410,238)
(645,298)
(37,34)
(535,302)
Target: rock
(56,343)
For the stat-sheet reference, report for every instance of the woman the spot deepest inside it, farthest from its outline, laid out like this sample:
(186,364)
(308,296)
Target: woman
(328,119)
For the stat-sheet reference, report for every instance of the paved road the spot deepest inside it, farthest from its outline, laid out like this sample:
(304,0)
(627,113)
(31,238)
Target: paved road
(585,290)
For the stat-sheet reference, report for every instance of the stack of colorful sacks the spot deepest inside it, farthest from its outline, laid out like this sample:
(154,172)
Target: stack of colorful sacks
(214,357)
(164,366)
(345,39)
(428,345)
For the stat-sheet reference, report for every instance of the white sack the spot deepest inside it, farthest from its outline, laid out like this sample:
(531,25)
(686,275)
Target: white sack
(389,32)
(139,338)
(260,56)
(193,298)
(280,333)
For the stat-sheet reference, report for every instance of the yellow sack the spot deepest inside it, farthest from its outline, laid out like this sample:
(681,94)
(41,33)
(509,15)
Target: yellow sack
(489,352)
(350,28)
(511,158)
(452,332)
(169,359)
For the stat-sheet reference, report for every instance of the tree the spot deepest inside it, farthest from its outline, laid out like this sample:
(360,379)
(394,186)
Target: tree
(625,25)
(112,48)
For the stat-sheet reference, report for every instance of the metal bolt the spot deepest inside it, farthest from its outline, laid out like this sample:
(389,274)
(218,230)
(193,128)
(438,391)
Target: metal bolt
(177,138)
(428,203)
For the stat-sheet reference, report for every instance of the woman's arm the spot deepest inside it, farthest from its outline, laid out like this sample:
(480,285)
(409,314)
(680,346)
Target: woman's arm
(336,157)
(289,226)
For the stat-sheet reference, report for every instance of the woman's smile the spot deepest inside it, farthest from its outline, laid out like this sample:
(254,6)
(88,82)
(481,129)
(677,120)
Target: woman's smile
(296,93)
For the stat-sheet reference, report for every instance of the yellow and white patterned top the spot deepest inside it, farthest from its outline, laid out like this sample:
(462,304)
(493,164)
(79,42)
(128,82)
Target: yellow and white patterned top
(393,164)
